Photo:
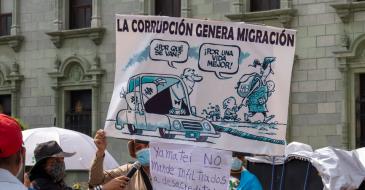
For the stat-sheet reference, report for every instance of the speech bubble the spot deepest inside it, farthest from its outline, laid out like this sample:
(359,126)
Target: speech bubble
(220,59)
(169,50)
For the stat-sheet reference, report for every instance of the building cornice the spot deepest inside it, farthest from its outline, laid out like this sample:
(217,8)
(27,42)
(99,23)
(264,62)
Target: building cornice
(346,10)
(284,16)
(95,34)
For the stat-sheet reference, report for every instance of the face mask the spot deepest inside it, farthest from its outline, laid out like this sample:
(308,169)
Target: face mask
(57,172)
(236,164)
(143,156)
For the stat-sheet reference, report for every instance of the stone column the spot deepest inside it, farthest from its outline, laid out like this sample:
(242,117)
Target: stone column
(239,6)
(146,7)
(15,27)
(285,4)
(14,102)
(56,107)
(15,79)
(345,105)
(95,110)
(58,15)
(96,14)
(185,8)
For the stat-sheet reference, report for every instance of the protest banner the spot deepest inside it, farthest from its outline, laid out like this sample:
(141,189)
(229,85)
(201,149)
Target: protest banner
(176,167)
(205,83)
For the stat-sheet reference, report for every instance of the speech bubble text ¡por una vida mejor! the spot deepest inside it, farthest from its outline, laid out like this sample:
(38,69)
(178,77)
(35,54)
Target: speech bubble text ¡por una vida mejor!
(220,59)
(169,50)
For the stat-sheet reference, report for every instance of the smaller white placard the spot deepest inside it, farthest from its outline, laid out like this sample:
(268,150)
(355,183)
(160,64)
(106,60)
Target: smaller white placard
(177,167)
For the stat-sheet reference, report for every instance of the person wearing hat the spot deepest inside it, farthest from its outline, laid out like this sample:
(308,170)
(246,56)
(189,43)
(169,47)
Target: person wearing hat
(12,153)
(49,170)
(116,179)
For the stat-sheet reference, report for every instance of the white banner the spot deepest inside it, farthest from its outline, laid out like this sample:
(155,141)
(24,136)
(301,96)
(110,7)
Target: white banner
(175,167)
(206,83)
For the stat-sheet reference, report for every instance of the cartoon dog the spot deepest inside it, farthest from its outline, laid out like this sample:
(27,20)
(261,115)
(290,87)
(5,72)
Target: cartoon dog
(213,113)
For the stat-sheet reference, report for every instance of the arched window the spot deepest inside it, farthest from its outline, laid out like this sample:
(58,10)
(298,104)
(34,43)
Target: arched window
(76,87)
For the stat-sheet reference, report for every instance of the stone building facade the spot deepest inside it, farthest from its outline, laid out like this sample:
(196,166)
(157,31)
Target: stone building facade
(47,61)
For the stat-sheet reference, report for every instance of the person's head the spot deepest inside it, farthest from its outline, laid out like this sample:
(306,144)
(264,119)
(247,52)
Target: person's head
(12,152)
(139,150)
(49,158)
(229,102)
(237,162)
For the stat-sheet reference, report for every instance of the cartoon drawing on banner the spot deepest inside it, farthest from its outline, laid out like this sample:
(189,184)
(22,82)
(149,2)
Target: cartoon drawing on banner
(206,83)
(158,102)
(212,113)
(188,80)
(231,109)
(255,90)
(161,102)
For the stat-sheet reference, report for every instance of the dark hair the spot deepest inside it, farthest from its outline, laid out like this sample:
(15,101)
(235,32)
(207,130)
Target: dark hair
(12,159)
(141,141)
(40,171)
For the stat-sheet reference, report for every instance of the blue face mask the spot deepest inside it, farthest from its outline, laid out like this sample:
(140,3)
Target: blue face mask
(236,164)
(143,156)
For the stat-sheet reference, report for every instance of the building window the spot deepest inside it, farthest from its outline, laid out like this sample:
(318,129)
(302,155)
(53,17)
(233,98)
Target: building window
(5,104)
(6,7)
(80,13)
(78,112)
(360,112)
(168,7)
(264,5)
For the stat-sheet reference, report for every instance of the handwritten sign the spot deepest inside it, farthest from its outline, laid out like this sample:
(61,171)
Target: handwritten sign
(187,167)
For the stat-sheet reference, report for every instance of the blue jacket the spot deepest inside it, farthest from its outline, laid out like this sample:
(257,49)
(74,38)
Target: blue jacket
(249,181)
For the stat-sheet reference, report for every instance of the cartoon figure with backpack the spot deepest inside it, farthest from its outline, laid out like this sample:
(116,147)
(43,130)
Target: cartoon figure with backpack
(255,89)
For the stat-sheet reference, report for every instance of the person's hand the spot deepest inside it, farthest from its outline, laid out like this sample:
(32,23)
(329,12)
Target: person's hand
(100,142)
(26,182)
(118,183)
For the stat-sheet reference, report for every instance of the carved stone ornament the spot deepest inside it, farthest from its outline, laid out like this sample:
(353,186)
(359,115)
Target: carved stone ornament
(75,73)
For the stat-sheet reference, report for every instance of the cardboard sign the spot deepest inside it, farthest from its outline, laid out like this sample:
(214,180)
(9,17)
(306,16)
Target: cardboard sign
(174,166)
(212,84)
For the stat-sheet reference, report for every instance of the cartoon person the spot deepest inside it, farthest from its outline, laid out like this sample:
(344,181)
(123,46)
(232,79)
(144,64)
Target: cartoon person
(231,109)
(255,89)
(271,87)
(189,77)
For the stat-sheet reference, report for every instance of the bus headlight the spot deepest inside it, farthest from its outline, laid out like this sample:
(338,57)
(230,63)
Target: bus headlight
(177,125)
(206,126)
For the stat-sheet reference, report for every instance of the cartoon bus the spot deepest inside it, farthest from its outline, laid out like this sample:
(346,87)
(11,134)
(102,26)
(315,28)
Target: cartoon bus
(160,102)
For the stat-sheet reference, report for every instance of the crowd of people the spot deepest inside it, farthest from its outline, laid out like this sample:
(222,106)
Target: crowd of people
(49,170)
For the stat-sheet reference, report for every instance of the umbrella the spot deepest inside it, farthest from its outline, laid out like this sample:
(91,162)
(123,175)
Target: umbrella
(70,141)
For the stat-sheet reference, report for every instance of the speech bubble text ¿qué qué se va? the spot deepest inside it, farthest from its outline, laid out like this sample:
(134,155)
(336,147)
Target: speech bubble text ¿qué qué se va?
(169,50)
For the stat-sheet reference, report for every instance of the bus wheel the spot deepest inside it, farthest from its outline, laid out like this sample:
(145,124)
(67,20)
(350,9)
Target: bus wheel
(164,133)
(202,139)
(133,131)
